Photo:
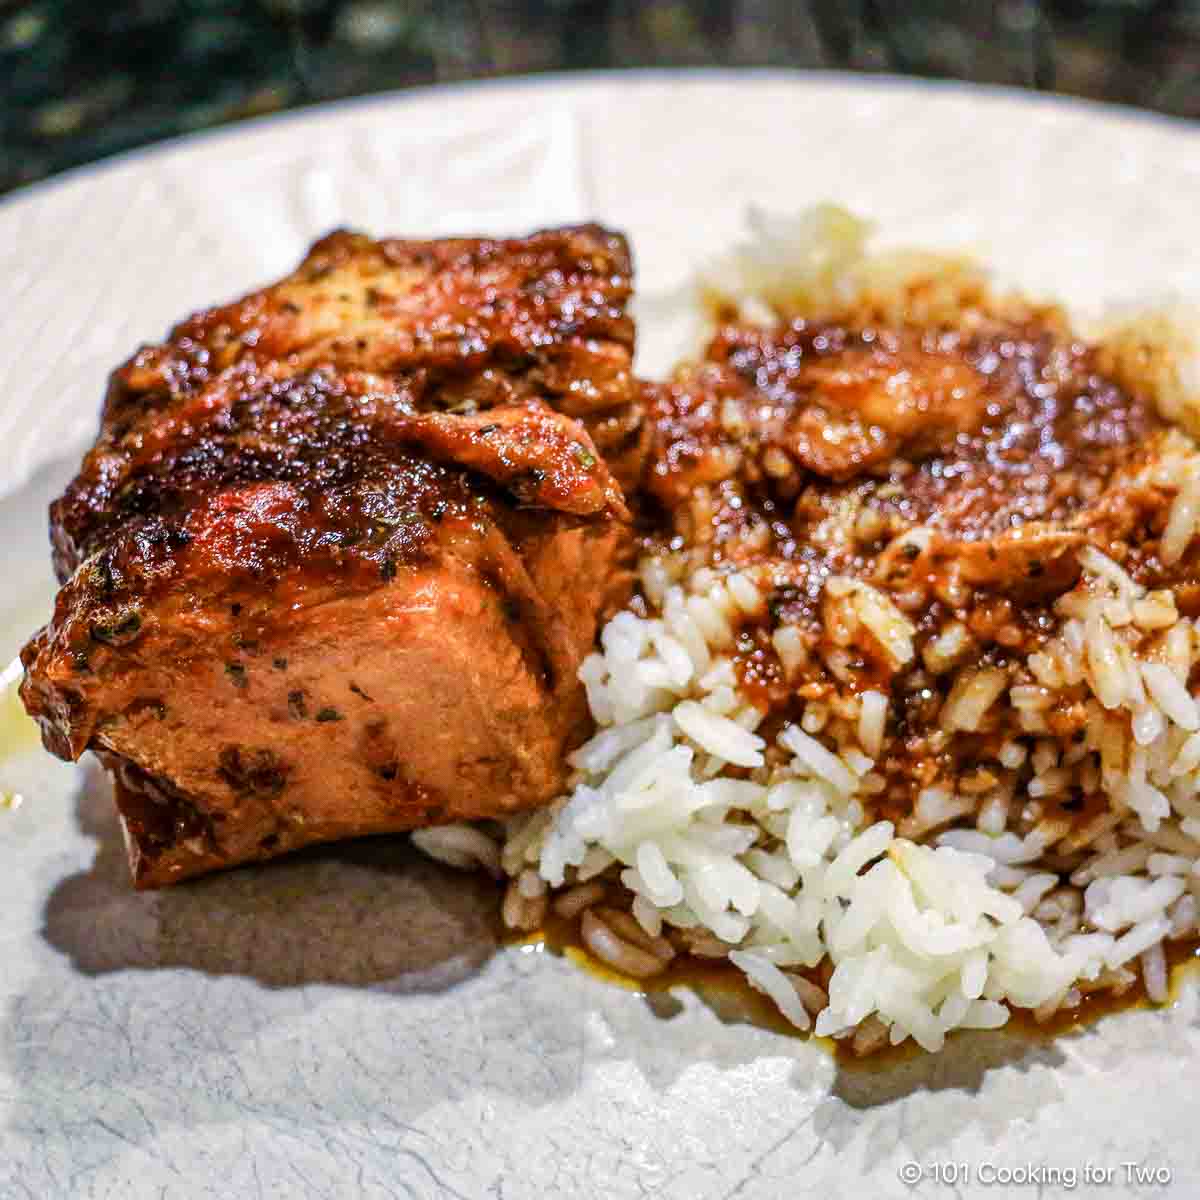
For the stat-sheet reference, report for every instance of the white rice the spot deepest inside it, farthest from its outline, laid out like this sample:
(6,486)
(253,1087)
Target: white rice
(906,928)
(461,846)
(783,869)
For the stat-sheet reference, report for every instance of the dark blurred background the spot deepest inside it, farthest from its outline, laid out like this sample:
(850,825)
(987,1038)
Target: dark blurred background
(80,79)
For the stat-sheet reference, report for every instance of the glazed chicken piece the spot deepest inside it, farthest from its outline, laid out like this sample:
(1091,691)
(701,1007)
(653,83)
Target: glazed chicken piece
(335,558)
(995,444)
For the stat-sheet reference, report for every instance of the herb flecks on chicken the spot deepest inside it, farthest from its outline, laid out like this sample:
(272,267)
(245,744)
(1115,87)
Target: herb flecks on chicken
(340,547)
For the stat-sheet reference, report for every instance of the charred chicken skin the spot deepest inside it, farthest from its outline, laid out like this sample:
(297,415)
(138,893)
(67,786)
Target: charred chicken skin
(340,547)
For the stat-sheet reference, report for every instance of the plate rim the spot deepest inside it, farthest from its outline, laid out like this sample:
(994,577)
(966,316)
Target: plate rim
(600,80)
(819,88)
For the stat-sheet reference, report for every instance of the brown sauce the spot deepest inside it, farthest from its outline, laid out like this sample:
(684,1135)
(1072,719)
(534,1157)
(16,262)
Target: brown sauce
(728,993)
(779,428)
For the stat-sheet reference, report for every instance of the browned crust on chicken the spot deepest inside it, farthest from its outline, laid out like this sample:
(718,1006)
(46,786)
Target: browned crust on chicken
(999,443)
(340,548)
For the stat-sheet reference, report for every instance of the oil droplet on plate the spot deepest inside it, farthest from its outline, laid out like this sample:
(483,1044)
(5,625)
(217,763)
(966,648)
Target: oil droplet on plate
(18,730)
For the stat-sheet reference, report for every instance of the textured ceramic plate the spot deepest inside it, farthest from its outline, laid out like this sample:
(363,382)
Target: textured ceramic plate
(342,1023)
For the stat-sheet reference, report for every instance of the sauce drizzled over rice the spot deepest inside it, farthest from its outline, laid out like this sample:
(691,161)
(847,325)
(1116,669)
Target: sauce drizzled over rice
(899,812)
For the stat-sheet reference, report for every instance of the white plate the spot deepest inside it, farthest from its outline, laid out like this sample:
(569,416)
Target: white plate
(340,1023)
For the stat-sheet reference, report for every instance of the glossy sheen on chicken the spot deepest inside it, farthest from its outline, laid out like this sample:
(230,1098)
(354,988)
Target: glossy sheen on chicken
(335,558)
(818,444)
